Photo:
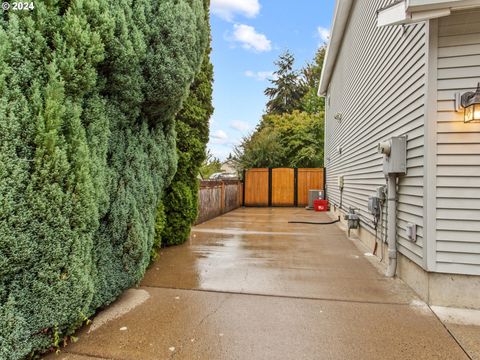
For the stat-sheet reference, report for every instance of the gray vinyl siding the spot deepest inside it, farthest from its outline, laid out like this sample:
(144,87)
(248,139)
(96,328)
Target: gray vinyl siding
(458,147)
(378,85)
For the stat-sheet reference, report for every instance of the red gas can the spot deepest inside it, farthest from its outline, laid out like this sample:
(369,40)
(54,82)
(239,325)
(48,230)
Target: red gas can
(320,205)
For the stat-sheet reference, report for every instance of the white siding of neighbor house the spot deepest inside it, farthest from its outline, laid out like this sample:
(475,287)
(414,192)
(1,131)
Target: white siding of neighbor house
(458,147)
(378,85)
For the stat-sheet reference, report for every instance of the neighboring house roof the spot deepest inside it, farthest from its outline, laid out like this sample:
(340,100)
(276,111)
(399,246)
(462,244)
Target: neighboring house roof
(228,166)
(400,12)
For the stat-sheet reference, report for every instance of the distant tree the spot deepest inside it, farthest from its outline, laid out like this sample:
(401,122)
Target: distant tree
(210,166)
(291,133)
(311,102)
(261,149)
(288,87)
(300,136)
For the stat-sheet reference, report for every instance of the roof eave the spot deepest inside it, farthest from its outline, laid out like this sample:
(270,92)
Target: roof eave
(342,13)
(427,5)
(414,11)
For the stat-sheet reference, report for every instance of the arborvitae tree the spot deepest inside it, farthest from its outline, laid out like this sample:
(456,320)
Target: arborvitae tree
(192,128)
(88,94)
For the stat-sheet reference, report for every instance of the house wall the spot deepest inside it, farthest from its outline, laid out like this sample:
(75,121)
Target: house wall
(378,86)
(458,147)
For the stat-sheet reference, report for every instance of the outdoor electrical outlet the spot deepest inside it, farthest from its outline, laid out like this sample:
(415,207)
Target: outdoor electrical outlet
(374,206)
(411,230)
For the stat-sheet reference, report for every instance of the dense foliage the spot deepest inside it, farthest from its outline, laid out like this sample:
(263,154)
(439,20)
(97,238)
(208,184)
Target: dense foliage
(291,133)
(286,140)
(192,123)
(88,94)
(311,103)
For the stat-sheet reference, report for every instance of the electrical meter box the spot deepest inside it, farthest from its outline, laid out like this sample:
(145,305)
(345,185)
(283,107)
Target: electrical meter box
(374,205)
(396,161)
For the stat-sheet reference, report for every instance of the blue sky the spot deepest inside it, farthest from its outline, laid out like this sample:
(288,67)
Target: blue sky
(247,37)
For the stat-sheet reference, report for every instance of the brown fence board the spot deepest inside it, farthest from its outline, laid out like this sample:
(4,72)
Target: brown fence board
(218,197)
(256,191)
(281,186)
(309,179)
(283,190)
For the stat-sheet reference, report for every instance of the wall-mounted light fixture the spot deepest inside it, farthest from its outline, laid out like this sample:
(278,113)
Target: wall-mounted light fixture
(470,103)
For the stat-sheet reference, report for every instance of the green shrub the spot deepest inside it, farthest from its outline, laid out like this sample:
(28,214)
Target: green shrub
(88,94)
(192,125)
(160,222)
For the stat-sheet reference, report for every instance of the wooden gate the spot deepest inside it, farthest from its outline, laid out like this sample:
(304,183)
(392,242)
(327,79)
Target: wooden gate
(281,186)
(257,192)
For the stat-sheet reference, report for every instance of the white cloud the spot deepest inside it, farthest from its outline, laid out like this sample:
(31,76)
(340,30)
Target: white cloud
(240,125)
(250,38)
(259,75)
(226,9)
(220,135)
(323,34)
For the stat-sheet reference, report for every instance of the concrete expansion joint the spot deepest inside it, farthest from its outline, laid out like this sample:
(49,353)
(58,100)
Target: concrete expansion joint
(435,311)
(278,296)
(83,354)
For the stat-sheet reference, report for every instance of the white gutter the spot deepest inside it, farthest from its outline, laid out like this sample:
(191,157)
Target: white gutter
(342,12)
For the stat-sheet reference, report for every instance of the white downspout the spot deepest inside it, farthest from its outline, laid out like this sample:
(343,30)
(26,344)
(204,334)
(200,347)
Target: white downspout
(392,225)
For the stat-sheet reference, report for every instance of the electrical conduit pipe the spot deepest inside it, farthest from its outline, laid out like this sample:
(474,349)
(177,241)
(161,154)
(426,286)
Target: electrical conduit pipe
(392,225)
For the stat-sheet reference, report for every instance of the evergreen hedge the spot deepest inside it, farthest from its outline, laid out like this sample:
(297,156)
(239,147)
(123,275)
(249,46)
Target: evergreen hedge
(180,202)
(89,90)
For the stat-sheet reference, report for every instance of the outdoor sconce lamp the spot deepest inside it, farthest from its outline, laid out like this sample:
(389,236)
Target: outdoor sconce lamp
(470,102)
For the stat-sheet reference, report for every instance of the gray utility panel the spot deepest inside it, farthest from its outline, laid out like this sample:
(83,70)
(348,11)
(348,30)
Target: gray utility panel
(315,195)
(395,157)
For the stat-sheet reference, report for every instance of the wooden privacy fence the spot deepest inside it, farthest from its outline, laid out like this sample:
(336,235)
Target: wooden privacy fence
(218,197)
(281,186)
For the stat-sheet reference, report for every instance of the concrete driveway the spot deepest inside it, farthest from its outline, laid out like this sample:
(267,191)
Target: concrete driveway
(248,285)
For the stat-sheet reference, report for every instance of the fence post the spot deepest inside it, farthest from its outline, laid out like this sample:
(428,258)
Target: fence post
(270,175)
(295,187)
(222,198)
(243,186)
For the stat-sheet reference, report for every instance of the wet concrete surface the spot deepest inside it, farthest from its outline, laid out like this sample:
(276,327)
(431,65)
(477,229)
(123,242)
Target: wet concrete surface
(248,285)
(468,336)
(256,251)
